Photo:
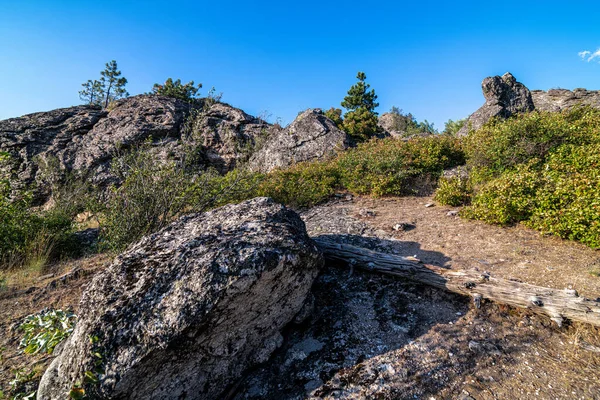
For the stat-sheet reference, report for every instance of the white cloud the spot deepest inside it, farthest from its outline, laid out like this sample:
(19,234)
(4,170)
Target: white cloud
(588,56)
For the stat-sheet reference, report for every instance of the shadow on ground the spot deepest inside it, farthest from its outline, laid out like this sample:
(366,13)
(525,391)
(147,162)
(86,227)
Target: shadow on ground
(373,336)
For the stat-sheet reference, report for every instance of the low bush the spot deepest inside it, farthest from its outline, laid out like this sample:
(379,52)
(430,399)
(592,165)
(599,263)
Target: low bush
(388,166)
(302,185)
(454,191)
(542,169)
(29,237)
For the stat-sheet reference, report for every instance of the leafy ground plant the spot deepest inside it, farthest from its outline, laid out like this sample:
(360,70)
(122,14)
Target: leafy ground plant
(44,331)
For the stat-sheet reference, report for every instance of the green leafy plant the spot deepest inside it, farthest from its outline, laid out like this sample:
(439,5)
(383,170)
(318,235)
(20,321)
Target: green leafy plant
(19,388)
(44,331)
(541,169)
(454,191)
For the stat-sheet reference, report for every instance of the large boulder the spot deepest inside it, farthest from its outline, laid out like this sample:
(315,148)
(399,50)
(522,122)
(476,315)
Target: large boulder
(227,135)
(183,313)
(504,97)
(311,136)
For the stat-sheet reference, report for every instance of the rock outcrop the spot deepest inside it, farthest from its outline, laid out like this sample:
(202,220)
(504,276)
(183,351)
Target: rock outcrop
(86,138)
(504,97)
(560,99)
(183,313)
(310,136)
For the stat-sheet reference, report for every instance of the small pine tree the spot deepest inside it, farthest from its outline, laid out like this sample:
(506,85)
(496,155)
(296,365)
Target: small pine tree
(113,84)
(176,89)
(360,121)
(92,93)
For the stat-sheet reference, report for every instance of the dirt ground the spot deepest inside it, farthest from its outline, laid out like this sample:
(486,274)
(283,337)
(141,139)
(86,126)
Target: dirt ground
(510,253)
(376,337)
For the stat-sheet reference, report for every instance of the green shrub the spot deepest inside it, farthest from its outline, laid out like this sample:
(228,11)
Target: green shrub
(301,185)
(388,166)
(502,145)
(542,169)
(44,331)
(454,191)
(507,199)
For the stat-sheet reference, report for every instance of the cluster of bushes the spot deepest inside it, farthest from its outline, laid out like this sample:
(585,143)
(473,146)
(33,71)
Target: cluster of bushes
(28,236)
(541,169)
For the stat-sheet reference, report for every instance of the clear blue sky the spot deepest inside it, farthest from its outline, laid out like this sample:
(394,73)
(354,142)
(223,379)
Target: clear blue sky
(426,57)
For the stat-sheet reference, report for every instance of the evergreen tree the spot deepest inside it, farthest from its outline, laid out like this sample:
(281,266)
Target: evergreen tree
(113,83)
(360,121)
(92,93)
(176,89)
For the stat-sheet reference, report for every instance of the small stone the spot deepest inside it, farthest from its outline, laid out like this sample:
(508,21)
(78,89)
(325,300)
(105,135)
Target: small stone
(403,226)
(429,205)
(452,213)
(367,213)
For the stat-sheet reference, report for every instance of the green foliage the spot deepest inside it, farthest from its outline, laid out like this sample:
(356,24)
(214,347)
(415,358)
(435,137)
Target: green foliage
(408,124)
(44,331)
(360,121)
(112,83)
(452,127)
(454,191)
(542,169)
(183,91)
(359,96)
(388,166)
(152,194)
(335,114)
(507,199)
(302,185)
(29,237)
(92,92)
(19,387)
(361,124)
(110,87)
(501,145)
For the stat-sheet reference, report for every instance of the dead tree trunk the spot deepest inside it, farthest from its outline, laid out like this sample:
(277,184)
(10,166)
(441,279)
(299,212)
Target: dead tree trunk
(558,304)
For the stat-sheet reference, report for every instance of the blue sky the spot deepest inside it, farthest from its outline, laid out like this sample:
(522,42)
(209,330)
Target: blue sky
(278,58)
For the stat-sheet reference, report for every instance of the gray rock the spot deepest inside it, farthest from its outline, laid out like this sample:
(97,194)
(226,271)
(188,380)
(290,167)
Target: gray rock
(310,136)
(504,97)
(85,139)
(561,99)
(183,313)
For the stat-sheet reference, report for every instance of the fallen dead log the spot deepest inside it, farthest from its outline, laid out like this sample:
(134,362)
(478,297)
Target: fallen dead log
(557,304)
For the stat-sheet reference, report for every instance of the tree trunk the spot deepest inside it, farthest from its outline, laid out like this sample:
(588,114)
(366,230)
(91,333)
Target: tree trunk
(558,304)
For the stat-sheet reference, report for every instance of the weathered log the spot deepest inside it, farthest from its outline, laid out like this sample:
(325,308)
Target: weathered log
(558,304)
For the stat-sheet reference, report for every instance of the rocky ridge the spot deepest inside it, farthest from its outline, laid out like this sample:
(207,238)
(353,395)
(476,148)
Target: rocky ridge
(504,97)
(85,139)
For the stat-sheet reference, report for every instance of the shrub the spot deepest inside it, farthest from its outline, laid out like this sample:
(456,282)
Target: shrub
(542,169)
(502,145)
(454,191)
(176,89)
(302,185)
(44,331)
(151,195)
(388,166)
(507,199)
(31,238)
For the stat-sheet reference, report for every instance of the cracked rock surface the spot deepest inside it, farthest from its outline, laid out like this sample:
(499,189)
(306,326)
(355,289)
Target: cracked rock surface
(184,312)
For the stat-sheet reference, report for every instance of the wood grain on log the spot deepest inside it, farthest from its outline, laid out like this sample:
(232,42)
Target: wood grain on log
(557,304)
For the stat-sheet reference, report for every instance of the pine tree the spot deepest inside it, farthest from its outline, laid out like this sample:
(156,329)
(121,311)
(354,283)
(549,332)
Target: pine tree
(92,93)
(113,84)
(176,89)
(360,121)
